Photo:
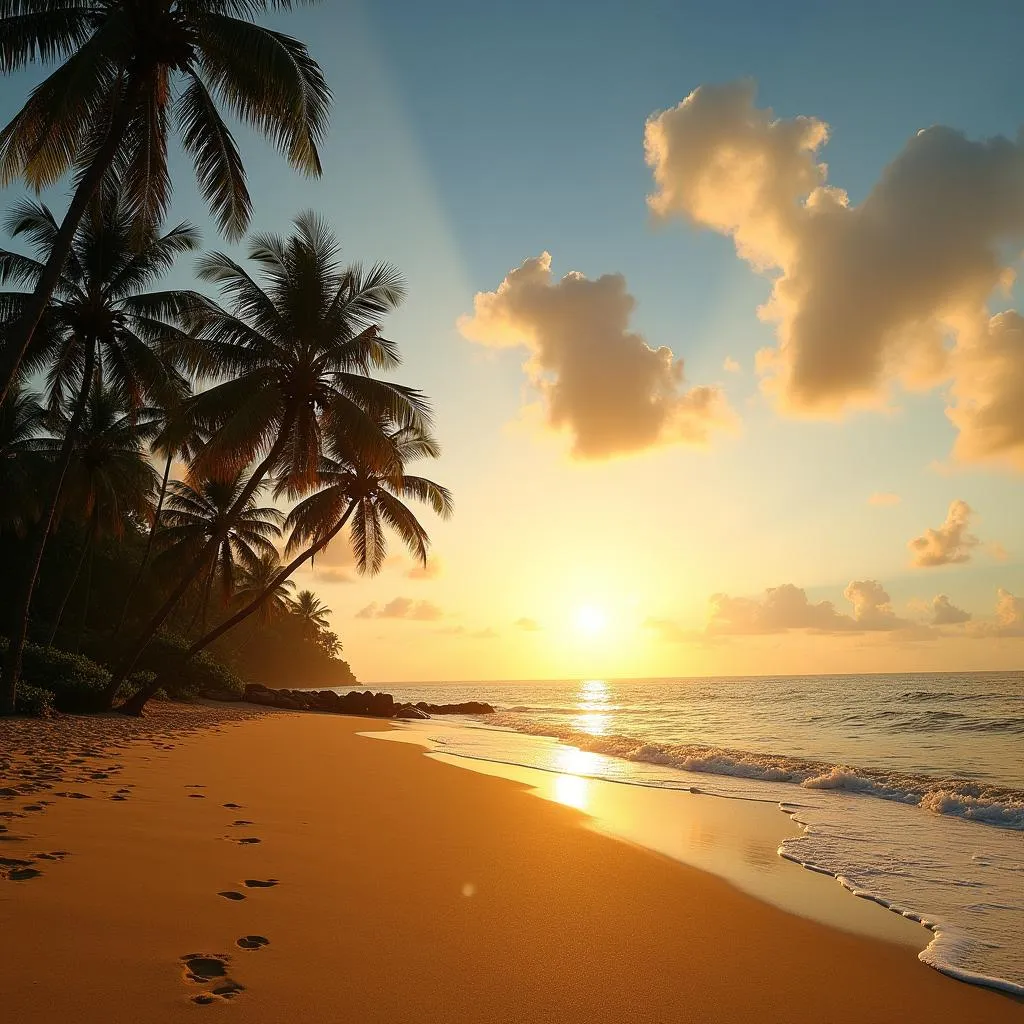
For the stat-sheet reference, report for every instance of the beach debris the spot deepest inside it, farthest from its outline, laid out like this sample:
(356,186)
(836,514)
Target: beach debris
(252,942)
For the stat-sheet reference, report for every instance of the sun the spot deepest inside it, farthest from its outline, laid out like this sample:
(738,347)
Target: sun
(590,620)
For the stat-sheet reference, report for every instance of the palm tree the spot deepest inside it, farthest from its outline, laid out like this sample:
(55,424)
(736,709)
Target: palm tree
(311,612)
(22,464)
(265,577)
(109,481)
(101,321)
(356,482)
(197,512)
(291,359)
(132,72)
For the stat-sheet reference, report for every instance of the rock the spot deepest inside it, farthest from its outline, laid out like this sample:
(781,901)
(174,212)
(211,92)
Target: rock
(251,688)
(469,707)
(382,705)
(409,711)
(225,695)
(266,697)
(283,700)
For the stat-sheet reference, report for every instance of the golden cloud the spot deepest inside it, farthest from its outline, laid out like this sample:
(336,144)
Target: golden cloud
(865,295)
(948,544)
(598,380)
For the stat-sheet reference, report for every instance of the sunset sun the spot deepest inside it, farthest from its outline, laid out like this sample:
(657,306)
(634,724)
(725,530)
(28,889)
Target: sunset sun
(590,620)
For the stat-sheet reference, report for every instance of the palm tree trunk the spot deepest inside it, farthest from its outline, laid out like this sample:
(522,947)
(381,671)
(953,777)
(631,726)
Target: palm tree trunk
(16,650)
(149,544)
(135,704)
(158,619)
(21,336)
(88,595)
(68,592)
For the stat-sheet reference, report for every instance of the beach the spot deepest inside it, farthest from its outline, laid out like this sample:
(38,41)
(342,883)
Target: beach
(282,866)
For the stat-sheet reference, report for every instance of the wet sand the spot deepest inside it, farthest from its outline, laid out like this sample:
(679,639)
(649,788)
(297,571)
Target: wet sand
(279,866)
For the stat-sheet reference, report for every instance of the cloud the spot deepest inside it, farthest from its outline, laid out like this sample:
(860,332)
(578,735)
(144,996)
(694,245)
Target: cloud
(786,607)
(731,366)
(1009,619)
(598,380)
(476,634)
(402,608)
(988,393)
(529,625)
(884,498)
(430,571)
(330,575)
(945,613)
(948,544)
(672,632)
(863,295)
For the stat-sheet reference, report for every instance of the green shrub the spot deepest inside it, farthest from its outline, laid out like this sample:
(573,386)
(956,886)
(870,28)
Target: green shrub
(31,700)
(77,684)
(182,679)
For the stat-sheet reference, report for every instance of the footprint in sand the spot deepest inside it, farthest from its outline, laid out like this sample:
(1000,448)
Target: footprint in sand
(242,821)
(73,796)
(234,807)
(52,855)
(16,870)
(252,942)
(260,883)
(210,969)
(198,796)
(230,894)
(247,841)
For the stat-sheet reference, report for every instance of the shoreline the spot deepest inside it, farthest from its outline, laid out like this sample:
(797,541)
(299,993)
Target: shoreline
(402,886)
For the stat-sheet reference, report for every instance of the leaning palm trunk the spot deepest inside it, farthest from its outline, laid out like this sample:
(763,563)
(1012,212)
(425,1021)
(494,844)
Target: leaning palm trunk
(135,703)
(16,651)
(21,336)
(149,544)
(67,593)
(197,566)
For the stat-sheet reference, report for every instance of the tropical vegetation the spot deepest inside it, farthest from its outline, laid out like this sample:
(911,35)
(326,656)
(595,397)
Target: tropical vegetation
(170,457)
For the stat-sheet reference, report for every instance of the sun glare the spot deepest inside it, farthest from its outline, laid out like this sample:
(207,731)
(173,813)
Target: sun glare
(591,620)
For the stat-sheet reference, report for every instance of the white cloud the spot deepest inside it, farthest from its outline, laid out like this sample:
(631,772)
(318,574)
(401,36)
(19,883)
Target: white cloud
(599,381)
(864,295)
(731,365)
(948,544)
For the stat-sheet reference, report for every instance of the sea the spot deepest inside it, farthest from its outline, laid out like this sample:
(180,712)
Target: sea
(908,789)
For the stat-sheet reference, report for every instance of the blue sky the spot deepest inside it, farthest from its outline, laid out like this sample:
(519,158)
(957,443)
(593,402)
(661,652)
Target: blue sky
(469,137)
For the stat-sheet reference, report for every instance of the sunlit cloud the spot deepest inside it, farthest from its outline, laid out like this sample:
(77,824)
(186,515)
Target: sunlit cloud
(599,381)
(864,296)
(947,544)
(731,365)
(1009,618)
(402,608)
(787,607)
(528,625)
(884,498)
(430,571)
(945,613)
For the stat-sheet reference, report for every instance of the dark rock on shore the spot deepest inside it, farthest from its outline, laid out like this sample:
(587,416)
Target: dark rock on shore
(365,703)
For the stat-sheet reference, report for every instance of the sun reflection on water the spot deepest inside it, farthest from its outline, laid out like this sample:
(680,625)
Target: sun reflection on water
(593,701)
(572,789)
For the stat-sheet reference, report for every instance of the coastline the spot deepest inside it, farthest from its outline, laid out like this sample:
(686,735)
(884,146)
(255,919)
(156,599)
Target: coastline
(406,889)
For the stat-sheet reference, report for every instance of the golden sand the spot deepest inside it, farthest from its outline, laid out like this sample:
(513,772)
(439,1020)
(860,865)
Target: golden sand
(278,867)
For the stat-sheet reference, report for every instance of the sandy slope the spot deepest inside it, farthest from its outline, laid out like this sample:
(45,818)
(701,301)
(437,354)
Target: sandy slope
(406,890)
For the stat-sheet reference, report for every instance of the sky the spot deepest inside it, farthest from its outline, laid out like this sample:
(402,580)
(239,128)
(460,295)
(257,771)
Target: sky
(716,307)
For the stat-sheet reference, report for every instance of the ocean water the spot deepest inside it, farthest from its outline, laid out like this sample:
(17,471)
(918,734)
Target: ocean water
(908,789)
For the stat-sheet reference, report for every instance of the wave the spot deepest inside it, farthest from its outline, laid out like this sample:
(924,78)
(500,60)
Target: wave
(974,801)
